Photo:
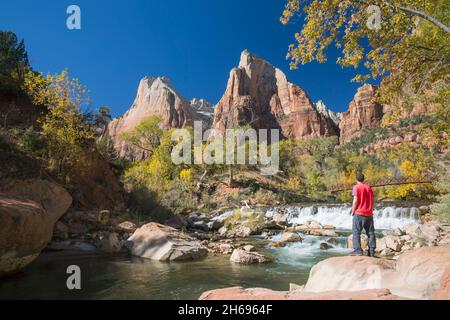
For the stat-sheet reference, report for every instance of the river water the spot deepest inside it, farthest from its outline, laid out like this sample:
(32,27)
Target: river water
(126,277)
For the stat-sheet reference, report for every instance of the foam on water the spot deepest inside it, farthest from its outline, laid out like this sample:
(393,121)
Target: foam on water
(340,216)
(304,253)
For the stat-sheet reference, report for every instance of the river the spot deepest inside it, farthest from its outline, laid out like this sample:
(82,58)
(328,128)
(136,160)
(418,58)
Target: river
(126,277)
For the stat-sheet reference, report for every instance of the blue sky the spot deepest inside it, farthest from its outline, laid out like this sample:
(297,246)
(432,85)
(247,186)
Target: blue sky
(193,42)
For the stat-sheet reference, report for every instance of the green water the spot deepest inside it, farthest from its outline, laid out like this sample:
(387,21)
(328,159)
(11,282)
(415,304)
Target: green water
(126,277)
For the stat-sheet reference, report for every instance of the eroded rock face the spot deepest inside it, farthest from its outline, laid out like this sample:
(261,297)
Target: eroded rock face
(163,243)
(417,274)
(443,293)
(28,213)
(238,293)
(98,186)
(155,96)
(363,113)
(260,95)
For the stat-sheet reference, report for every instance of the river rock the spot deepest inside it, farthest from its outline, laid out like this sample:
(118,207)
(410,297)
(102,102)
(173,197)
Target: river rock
(364,242)
(159,242)
(70,245)
(28,214)
(280,219)
(249,248)
(61,231)
(333,241)
(445,241)
(296,287)
(424,210)
(226,248)
(290,237)
(313,224)
(272,225)
(215,224)
(428,233)
(200,225)
(177,221)
(394,243)
(239,293)
(244,257)
(126,226)
(110,243)
(325,246)
(223,231)
(416,274)
(322,233)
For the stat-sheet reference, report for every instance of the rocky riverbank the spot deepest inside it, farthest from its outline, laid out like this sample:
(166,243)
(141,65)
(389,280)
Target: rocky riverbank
(419,274)
(414,265)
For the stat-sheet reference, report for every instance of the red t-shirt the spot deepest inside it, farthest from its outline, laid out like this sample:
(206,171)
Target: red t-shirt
(364,206)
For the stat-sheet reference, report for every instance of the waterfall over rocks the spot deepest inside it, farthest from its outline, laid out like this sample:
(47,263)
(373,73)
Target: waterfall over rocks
(390,217)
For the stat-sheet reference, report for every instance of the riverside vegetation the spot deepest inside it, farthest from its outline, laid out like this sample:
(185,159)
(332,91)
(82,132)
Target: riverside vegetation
(118,185)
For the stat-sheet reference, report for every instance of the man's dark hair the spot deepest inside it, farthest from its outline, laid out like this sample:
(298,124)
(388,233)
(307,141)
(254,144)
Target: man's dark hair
(360,177)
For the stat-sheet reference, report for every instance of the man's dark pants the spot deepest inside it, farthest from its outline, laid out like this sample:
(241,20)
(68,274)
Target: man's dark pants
(361,223)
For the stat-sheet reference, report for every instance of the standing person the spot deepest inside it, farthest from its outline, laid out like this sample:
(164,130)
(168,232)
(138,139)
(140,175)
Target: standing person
(362,211)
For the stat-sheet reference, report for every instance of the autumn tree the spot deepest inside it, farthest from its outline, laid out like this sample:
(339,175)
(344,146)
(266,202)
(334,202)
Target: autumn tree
(409,49)
(63,124)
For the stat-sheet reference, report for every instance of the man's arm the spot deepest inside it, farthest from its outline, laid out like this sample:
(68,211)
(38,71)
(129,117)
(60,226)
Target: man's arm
(355,204)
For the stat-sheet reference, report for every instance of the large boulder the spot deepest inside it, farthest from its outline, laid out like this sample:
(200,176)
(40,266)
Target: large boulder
(428,233)
(443,293)
(416,274)
(164,243)
(238,293)
(29,211)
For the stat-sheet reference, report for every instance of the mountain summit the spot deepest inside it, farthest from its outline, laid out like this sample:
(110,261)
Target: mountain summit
(156,96)
(260,95)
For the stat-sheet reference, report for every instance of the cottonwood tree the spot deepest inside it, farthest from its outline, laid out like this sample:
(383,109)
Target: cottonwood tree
(409,49)
(64,128)
(147,135)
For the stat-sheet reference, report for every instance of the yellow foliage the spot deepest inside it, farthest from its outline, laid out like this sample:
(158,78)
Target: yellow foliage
(294,183)
(63,125)
(186,177)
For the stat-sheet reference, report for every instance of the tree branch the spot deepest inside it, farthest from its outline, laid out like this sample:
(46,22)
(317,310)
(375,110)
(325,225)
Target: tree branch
(420,14)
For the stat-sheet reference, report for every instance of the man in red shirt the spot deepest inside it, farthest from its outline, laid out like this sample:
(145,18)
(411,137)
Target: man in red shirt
(362,211)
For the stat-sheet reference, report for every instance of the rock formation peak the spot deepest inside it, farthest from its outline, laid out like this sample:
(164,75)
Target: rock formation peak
(155,96)
(363,113)
(259,94)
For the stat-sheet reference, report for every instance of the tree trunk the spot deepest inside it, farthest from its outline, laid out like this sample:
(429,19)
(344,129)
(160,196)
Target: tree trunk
(230,178)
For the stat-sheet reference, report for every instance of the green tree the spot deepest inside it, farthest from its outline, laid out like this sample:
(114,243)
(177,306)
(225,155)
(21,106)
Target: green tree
(13,56)
(147,135)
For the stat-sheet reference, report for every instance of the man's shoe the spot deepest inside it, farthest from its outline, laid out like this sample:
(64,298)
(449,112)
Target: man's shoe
(372,254)
(356,253)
